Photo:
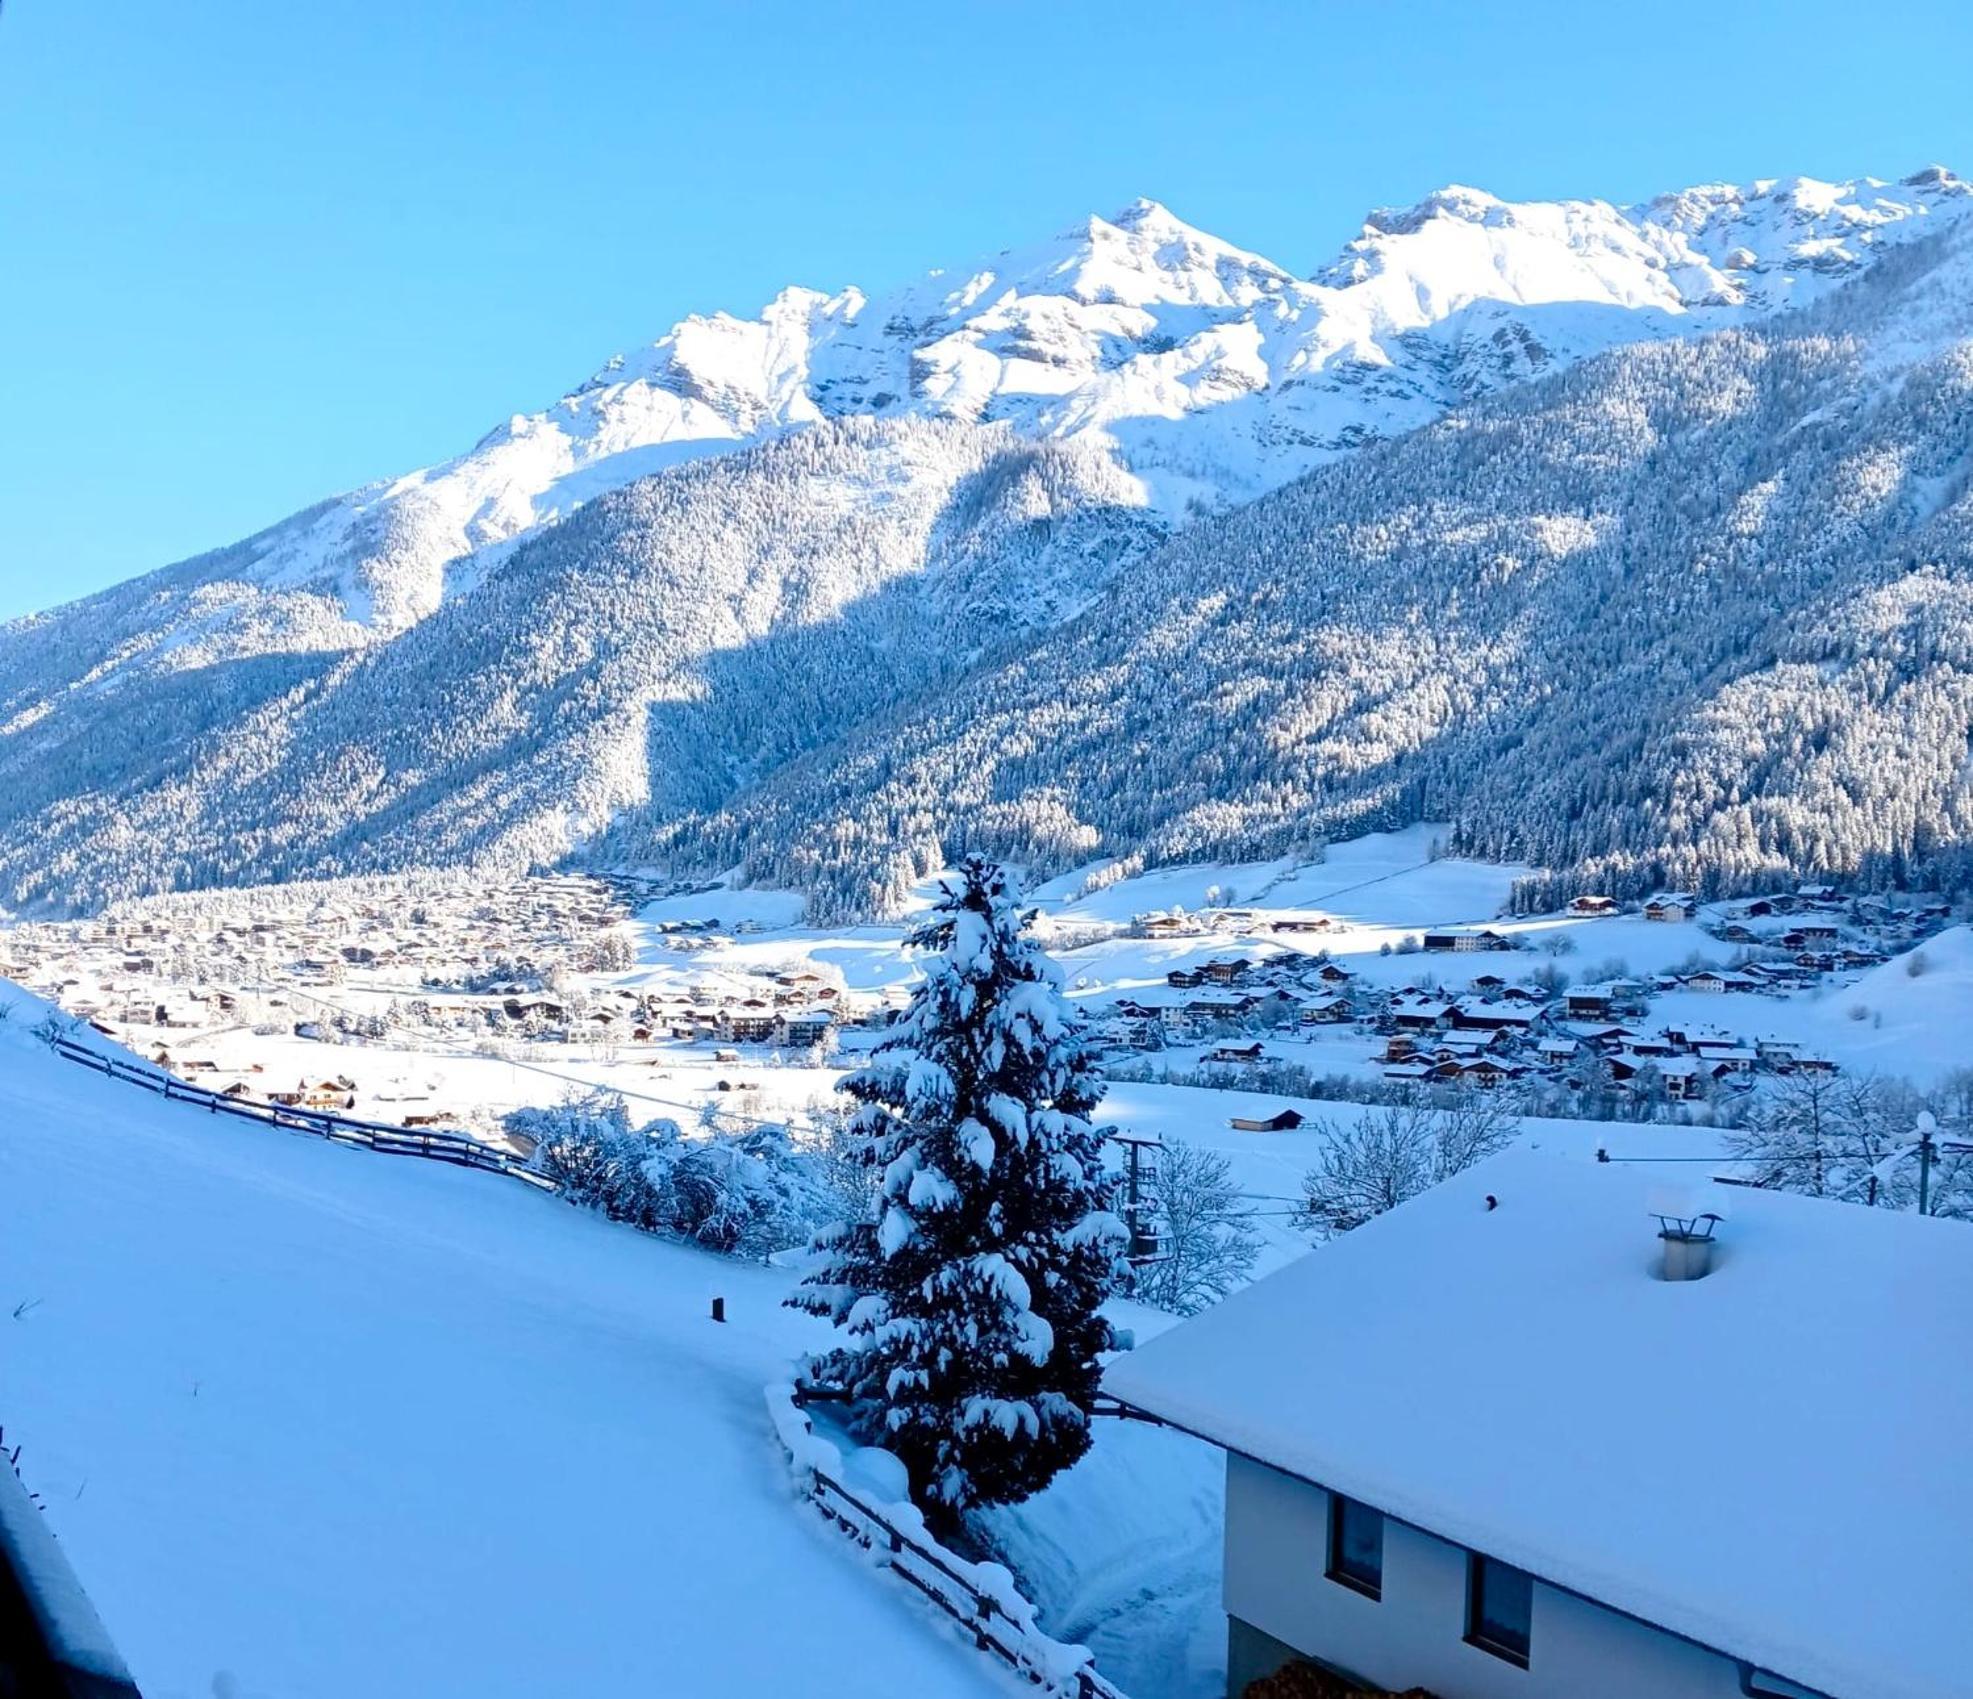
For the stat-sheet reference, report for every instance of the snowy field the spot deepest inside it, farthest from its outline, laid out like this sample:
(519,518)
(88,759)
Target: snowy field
(312,1423)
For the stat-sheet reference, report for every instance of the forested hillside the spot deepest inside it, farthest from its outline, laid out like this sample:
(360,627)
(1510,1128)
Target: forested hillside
(671,639)
(1694,611)
(833,593)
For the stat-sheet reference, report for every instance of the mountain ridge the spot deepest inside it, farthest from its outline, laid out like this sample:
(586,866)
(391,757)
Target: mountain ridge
(993,454)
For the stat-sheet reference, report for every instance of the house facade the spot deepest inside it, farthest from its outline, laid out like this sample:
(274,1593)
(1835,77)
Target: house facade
(1293,1590)
(1456,1461)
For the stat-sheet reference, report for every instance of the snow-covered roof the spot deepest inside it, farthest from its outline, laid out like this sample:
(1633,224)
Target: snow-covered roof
(1768,1461)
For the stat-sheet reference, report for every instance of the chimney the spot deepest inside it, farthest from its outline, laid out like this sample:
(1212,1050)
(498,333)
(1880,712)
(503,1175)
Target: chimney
(1685,1238)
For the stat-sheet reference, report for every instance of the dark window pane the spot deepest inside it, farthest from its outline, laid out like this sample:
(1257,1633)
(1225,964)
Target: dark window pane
(1501,1608)
(1356,1545)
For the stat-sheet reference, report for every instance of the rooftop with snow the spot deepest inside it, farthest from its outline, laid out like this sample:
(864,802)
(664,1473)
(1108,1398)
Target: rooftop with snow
(1767,1461)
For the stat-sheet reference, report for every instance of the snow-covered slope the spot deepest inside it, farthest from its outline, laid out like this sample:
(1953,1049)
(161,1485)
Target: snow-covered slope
(314,1423)
(448,665)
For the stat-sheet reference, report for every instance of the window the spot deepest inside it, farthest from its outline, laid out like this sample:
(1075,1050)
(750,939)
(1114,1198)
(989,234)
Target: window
(1356,1546)
(1500,1602)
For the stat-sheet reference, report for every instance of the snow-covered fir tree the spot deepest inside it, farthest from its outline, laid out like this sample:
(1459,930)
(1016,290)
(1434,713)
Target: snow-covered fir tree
(970,1295)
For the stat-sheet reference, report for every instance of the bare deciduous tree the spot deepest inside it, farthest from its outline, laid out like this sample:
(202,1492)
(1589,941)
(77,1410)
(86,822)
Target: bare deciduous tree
(1394,1153)
(1207,1243)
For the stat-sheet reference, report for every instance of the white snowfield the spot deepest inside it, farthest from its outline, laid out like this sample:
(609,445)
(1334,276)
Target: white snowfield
(1768,1460)
(312,1423)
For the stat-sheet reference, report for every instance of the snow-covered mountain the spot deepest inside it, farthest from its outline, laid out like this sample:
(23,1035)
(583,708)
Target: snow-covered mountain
(447,665)
(1213,374)
(1693,612)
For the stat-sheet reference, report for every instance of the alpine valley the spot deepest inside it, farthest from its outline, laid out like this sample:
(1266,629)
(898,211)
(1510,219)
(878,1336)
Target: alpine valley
(1636,542)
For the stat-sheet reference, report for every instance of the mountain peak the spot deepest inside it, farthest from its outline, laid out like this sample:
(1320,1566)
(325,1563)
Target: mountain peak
(1455,200)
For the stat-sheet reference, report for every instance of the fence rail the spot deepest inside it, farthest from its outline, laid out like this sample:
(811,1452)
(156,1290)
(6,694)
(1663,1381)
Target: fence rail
(460,1149)
(941,1577)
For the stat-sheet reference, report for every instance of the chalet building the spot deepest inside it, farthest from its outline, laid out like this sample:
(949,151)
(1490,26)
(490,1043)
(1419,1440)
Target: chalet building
(1462,942)
(1474,1015)
(1485,1073)
(1237,1053)
(1671,906)
(750,1023)
(1492,1504)
(1720,980)
(1593,906)
(804,1028)
(1327,1011)
(1228,971)
(1729,1055)
(1330,974)
(1420,1015)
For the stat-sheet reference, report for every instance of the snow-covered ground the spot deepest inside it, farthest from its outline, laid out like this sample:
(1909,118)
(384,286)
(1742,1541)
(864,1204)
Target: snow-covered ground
(311,1422)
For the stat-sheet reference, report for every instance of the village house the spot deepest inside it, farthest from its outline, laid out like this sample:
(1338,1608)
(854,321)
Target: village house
(1417,1012)
(1462,1478)
(802,1029)
(1593,905)
(1475,1015)
(1721,979)
(1671,906)
(751,1022)
(1229,970)
(1461,942)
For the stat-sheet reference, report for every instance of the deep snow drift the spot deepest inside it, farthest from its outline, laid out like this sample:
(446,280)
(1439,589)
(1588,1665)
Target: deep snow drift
(312,1422)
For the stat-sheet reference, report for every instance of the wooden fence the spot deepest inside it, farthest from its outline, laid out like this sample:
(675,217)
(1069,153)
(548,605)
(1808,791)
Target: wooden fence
(459,1149)
(941,1577)
(975,1610)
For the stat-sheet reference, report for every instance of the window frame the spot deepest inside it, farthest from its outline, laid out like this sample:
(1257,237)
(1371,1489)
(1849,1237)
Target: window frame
(1334,1567)
(1476,1569)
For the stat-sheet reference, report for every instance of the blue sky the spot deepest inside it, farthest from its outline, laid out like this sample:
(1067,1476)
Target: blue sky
(257,254)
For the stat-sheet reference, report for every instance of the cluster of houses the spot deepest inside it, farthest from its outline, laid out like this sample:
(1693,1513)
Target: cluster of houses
(1490,1035)
(463,962)
(181,953)
(1490,1041)
(1229,994)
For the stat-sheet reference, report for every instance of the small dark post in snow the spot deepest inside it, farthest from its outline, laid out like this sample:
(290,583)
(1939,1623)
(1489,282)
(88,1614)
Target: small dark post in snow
(719,1309)
(1927,1125)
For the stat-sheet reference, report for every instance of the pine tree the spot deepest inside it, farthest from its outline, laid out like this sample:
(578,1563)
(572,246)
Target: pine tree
(970,1295)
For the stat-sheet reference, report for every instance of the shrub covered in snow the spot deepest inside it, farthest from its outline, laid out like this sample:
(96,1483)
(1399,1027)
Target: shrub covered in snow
(746,1192)
(969,1296)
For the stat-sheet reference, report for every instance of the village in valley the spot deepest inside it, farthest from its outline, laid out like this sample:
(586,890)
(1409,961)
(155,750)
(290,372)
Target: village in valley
(447,1001)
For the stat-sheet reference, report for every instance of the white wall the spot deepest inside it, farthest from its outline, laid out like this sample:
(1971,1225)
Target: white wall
(1276,1549)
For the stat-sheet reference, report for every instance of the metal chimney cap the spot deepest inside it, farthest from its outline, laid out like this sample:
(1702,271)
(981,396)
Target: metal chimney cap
(1687,1226)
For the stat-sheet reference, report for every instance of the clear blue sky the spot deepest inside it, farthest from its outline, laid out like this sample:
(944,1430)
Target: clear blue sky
(256,253)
